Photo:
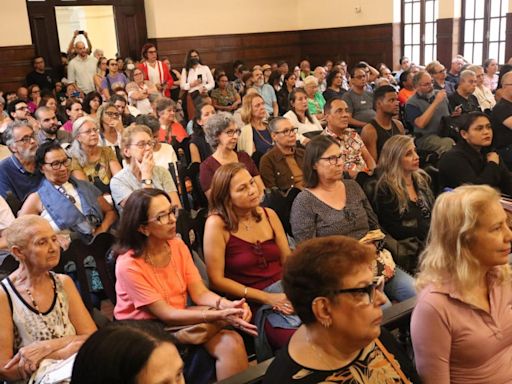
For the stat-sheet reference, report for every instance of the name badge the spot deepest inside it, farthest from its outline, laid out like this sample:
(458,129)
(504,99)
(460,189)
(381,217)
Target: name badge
(363,101)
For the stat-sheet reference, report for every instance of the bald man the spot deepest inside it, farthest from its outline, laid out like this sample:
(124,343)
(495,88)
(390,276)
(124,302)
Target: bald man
(502,121)
(82,68)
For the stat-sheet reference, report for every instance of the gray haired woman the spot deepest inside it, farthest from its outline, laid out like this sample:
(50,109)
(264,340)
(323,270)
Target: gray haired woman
(90,161)
(222,134)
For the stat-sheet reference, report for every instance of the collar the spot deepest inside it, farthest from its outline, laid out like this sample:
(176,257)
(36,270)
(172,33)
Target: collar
(279,155)
(19,166)
(329,132)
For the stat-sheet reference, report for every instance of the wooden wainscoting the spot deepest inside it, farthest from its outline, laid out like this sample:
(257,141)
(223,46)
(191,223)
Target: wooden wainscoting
(508,47)
(16,64)
(448,40)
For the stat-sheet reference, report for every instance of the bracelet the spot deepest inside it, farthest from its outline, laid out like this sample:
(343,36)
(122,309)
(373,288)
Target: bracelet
(245,292)
(217,304)
(204,315)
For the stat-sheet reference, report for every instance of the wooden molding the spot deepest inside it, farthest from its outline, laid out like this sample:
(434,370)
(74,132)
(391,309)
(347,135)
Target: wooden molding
(16,64)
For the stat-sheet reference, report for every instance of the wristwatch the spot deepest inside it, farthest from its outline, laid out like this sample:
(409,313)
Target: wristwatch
(147,182)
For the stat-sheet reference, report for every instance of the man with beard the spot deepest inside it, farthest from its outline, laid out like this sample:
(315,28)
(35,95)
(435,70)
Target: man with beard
(383,126)
(266,92)
(424,111)
(18,173)
(49,127)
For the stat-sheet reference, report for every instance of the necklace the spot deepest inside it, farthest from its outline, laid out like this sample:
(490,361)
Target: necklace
(163,286)
(40,314)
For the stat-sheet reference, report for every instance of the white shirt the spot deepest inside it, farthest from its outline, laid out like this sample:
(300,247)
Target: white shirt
(202,70)
(165,155)
(82,71)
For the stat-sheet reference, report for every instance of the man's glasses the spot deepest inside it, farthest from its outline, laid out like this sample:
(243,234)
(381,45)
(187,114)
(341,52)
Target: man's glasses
(258,251)
(232,132)
(287,132)
(55,165)
(165,218)
(24,108)
(367,293)
(113,114)
(440,71)
(26,139)
(145,144)
(89,131)
(333,160)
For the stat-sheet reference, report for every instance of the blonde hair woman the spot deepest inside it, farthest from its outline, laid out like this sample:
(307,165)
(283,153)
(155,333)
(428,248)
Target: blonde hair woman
(403,199)
(460,327)
(255,136)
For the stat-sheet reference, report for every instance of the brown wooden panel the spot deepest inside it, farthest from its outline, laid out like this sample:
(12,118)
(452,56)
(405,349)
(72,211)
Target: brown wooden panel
(16,63)
(130,28)
(448,40)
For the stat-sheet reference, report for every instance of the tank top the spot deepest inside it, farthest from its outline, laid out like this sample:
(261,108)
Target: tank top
(384,134)
(256,265)
(31,326)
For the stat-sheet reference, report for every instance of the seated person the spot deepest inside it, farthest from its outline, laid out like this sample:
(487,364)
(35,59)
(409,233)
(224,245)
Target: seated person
(140,171)
(155,274)
(222,135)
(42,316)
(406,87)
(334,82)
(281,167)
(139,91)
(383,126)
(169,127)
(359,100)
(331,286)
(502,120)
(245,249)
(90,161)
(403,200)
(254,136)
(109,356)
(18,173)
(469,162)
(462,101)
(199,147)
(284,93)
(6,219)
(111,127)
(483,94)
(315,99)
(300,116)
(67,203)
(330,205)
(464,277)
(73,108)
(224,97)
(355,155)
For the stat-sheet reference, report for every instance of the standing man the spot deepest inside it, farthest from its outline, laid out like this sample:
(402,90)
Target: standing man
(40,76)
(82,68)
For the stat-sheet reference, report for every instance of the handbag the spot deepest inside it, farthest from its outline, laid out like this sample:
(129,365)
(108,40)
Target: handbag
(385,265)
(195,334)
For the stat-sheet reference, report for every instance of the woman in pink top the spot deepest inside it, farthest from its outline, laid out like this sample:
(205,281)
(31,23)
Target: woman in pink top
(462,325)
(155,274)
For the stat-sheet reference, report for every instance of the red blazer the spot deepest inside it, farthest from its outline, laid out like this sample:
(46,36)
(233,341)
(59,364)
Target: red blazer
(163,71)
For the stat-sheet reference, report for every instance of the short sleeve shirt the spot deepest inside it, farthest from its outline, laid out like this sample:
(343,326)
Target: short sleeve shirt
(351,146)
(100,169)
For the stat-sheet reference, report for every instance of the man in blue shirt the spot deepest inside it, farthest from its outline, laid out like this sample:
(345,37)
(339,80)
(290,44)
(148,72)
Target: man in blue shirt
(18,173)
(266,92)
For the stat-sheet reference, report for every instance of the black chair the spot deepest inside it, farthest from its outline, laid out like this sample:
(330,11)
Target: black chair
(191,228)
(13,202)
(281,203)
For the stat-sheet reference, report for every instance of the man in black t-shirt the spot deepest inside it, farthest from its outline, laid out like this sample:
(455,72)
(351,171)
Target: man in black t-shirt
(40,76)
(462,101)
(502,121)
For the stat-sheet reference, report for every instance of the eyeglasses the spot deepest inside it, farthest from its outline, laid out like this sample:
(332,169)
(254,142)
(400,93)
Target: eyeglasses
(287,132)
(152,51)
(55,165)
(440,71)
(114,64)
(367,293)
(145,144)
(231,132)
(360,77)
(26,139)
(22,108)
(113,114)
(333,160)
(258,251)
(89,131)
(165,218)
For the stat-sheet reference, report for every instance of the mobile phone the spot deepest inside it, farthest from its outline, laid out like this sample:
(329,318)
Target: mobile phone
(200,78)
(76,94)
(80,32)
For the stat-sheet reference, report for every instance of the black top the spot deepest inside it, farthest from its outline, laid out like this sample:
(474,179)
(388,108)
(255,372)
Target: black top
(282,100)
(502,136)
(464,165)
(384,135)
(204,148)
(370,363)
(44,80)
(330,93)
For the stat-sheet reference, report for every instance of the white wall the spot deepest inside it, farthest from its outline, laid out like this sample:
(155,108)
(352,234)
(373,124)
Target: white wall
(14,25)
(169,18)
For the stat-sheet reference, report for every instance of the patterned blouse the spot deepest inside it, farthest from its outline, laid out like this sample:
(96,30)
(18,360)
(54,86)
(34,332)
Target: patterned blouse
(351,146)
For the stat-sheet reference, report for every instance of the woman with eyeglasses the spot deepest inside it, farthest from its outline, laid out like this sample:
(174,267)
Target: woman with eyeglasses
(245,249)
(137,146)
(222,135)
(70,205)
(111,126)
(330,205)
(155,70)
(90,161)
(461,325)
(281,167)
(139,90)
(113,79)
(155,275)
(330,283)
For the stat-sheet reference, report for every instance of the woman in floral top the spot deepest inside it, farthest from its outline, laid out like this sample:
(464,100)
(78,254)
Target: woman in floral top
(224,97)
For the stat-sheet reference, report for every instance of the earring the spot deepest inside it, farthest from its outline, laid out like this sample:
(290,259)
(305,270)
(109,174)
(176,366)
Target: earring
(326,323)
